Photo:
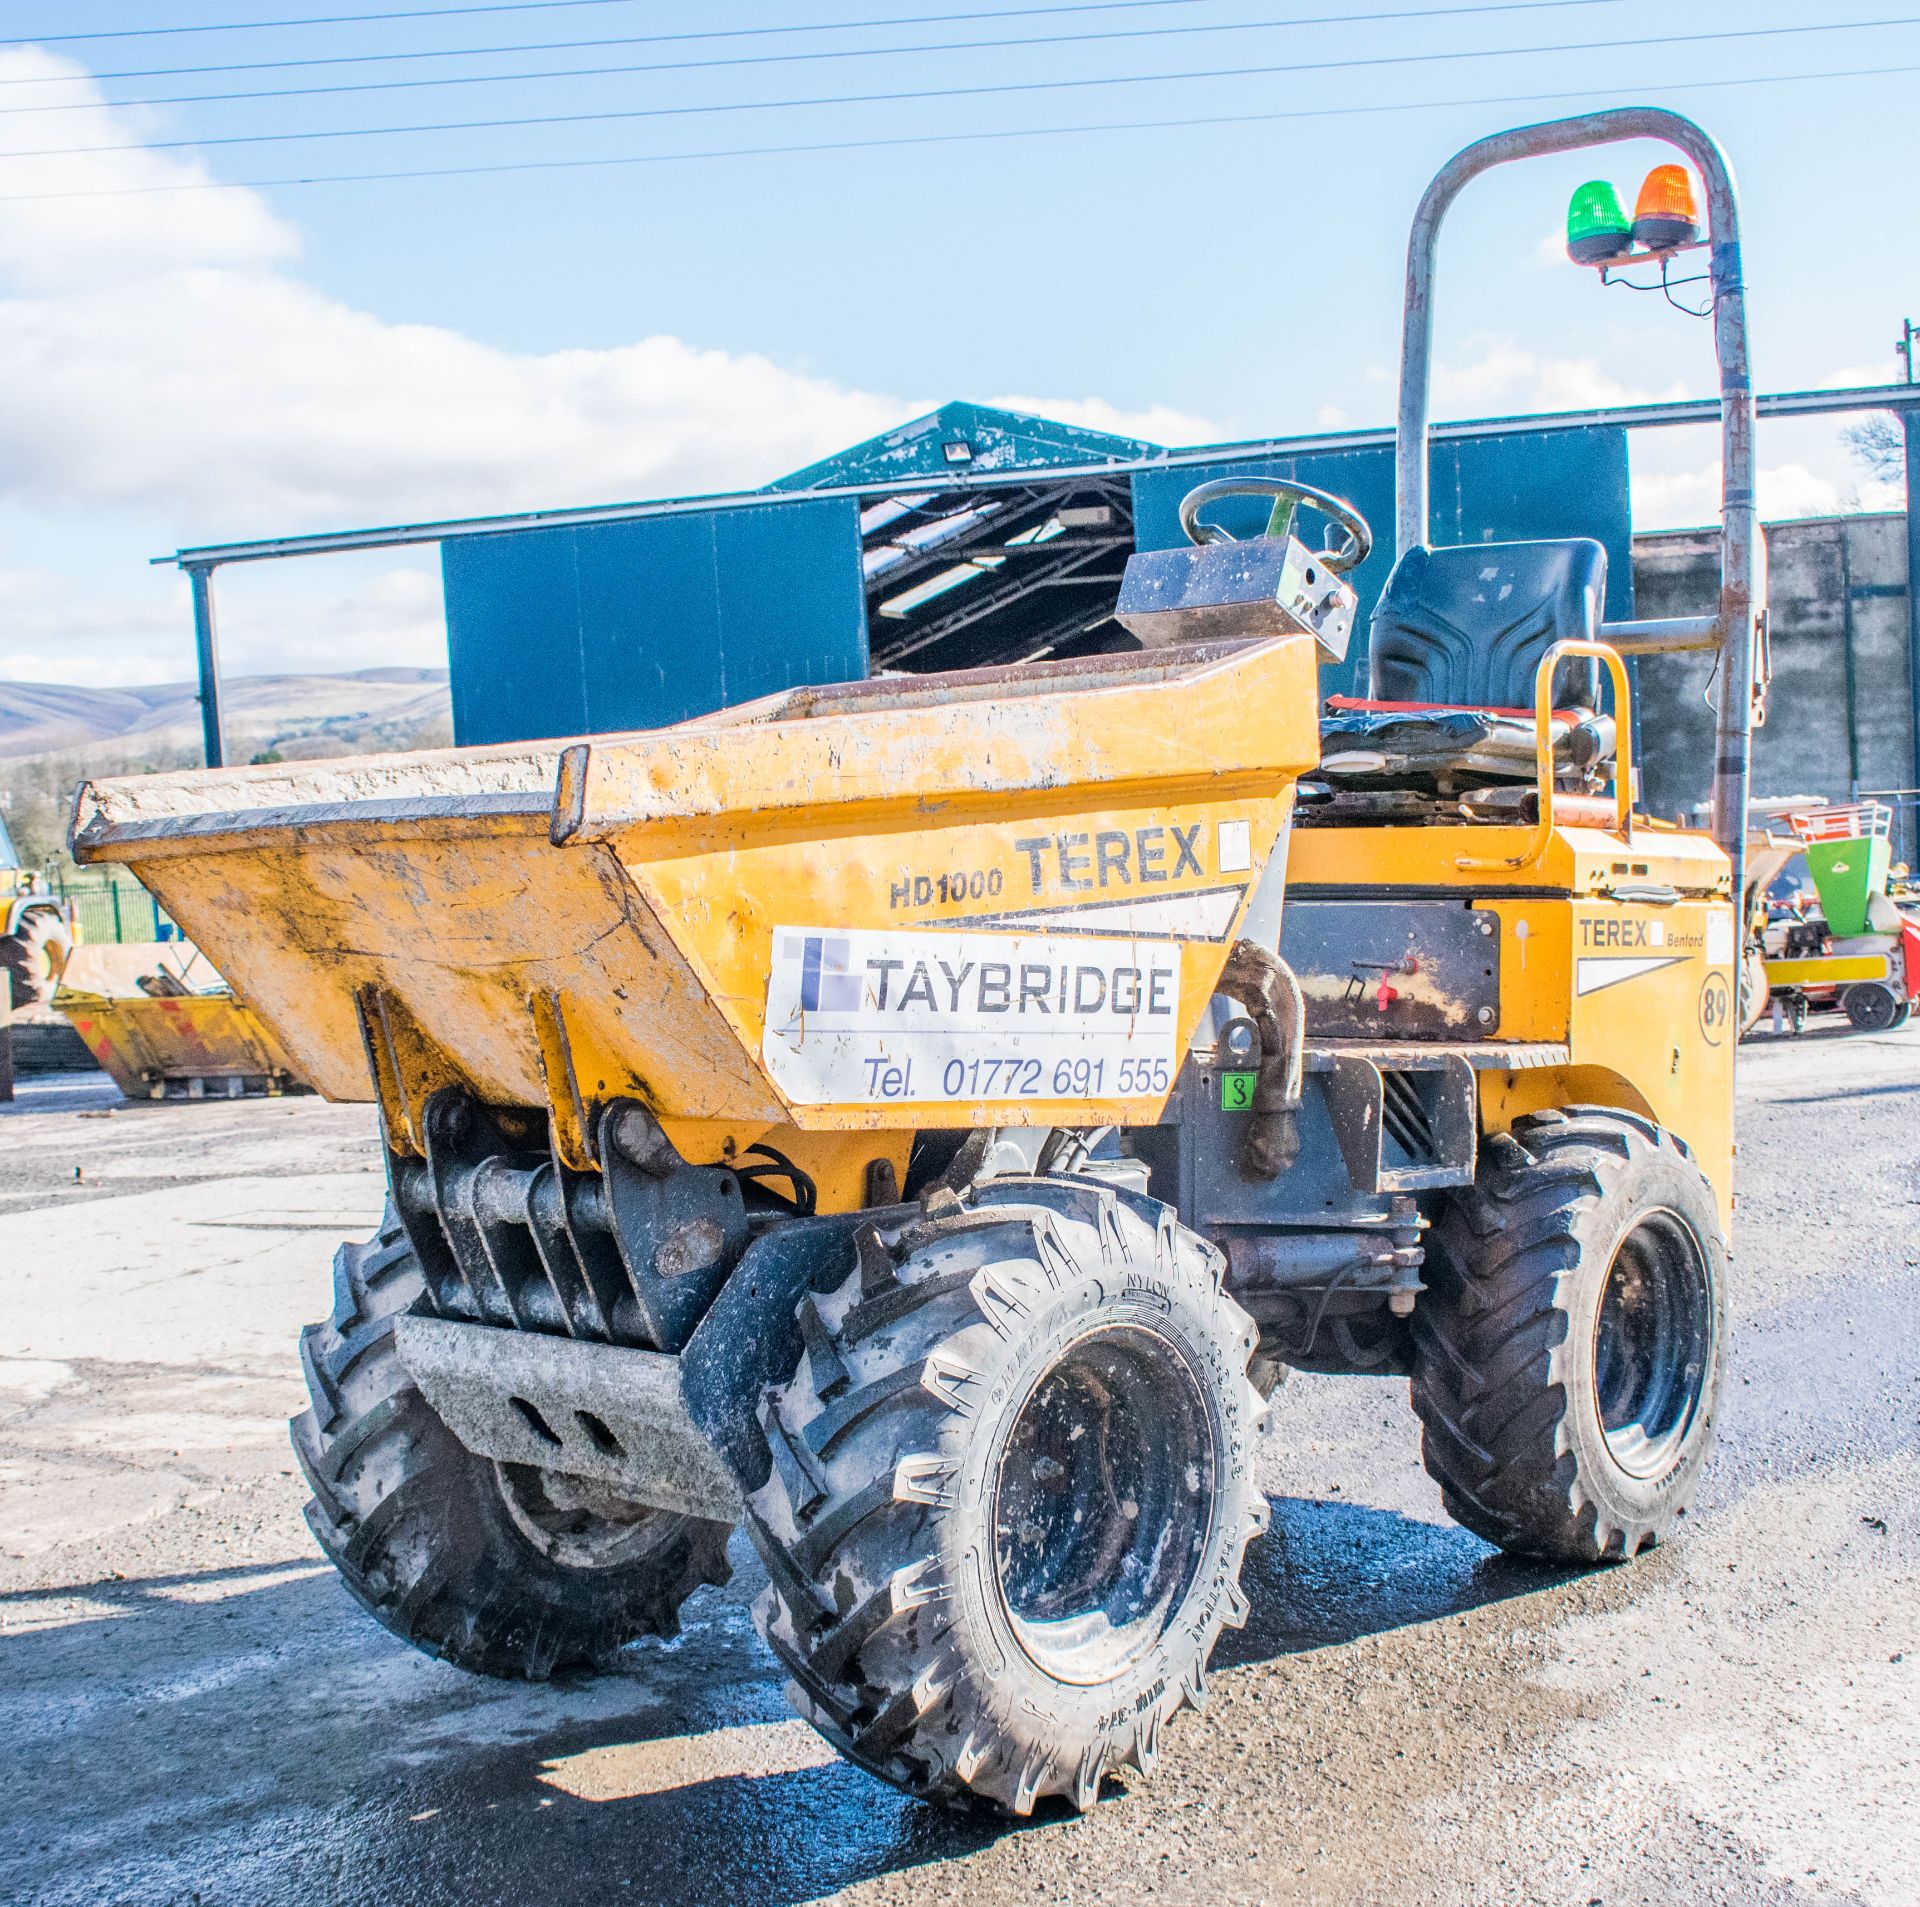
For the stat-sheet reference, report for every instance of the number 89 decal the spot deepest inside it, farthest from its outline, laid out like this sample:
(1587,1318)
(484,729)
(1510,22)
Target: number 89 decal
(1716,1001)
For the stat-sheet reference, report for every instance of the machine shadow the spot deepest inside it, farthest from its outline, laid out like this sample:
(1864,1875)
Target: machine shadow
(311,1735)
(1328,1573)
(252,1727)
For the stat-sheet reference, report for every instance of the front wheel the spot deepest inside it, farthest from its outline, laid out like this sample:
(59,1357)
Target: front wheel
(497,1568)
(1011,1486)
(1568,1349)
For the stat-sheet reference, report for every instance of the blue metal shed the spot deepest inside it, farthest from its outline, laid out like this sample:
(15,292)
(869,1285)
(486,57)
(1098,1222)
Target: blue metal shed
(595,628)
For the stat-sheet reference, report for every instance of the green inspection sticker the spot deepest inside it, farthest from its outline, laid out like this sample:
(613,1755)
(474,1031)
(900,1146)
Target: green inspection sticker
(1236,1091)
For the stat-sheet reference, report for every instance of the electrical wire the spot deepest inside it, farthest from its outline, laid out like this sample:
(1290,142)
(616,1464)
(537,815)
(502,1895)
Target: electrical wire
(922,95)
(805,1198)
(816,54)
(1305,1346)
(1666,287)
(568,46)
(324,19)
(795,150)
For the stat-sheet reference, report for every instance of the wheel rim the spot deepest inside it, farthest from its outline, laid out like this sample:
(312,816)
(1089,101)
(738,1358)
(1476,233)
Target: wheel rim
(1103,1503)
(576,1522)
(1653,1340)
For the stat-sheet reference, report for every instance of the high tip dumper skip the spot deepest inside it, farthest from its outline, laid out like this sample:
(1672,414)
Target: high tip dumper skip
(923,1119)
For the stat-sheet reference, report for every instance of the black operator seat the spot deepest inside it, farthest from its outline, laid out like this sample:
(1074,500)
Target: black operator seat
(1466,627)
(1456,639)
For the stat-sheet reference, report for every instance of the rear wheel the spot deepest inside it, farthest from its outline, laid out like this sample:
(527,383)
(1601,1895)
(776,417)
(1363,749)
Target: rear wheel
(1011,1487)
(1568,1348)
(1873,1007)
(498,1568)
(34,955)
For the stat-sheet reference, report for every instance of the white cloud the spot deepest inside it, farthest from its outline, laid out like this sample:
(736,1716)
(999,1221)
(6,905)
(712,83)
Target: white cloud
(1852,376)
(164,363)
(379,610)
(158,354)
(51,241)
(1504,379)
(257,403)
(1690,498)
(1157,424)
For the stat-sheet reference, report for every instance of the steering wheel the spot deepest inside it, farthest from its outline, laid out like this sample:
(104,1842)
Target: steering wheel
(1350,555)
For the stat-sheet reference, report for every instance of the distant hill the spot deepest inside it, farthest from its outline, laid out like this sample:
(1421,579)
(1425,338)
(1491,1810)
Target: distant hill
(55,735)
(294,714)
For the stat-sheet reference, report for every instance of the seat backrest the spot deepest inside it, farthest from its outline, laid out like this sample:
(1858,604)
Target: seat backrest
(1467,626)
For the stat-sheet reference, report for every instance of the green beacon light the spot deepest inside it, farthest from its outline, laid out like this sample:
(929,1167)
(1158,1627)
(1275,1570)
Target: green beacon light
(1598,228)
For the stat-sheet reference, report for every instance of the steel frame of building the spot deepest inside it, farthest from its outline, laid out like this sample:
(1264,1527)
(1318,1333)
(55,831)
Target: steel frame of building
(1031,498)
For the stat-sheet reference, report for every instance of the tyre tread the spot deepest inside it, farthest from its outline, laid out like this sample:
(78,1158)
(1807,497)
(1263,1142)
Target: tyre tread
(852,1607)
(387,1478)
(1490,1385)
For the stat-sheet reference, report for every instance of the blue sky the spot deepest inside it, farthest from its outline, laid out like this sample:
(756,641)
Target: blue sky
(193,365)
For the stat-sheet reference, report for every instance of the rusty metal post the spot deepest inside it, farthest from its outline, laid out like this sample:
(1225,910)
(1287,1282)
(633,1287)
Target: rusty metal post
(1740,582)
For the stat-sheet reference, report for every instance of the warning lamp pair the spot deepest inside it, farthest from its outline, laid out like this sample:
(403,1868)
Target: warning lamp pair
(1665,215)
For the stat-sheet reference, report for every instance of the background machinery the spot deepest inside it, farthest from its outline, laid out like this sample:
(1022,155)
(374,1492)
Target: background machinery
(1855,947)
(163,1025)
(36,929)
(921,1120)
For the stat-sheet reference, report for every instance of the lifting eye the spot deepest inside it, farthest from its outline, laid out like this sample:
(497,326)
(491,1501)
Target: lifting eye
(1240,1041)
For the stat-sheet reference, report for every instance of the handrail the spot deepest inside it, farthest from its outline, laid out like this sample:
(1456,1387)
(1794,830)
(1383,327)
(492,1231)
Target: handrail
(1543,749)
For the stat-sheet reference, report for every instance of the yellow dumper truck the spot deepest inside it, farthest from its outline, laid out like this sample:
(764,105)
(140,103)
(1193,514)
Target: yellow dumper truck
(922,1119)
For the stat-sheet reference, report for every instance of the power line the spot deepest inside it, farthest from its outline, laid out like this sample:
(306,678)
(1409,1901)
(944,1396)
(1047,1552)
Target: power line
(947,138)
(566,46)
(997,90)
(325,19)
(836,53)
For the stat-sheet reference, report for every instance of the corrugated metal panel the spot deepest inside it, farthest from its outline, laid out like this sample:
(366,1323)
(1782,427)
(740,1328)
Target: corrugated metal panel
(613,626)
(1484,490)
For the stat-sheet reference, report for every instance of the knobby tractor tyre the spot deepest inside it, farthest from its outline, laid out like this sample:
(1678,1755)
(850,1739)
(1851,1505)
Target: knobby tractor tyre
(1568,1347)
(33,955)
(502,1570)
(1011,1488)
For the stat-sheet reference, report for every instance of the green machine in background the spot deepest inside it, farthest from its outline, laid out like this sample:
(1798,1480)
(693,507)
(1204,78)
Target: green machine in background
(1848,871)
(1858,949)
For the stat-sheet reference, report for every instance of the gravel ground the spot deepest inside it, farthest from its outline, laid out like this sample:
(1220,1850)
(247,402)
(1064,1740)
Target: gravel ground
(193,1711)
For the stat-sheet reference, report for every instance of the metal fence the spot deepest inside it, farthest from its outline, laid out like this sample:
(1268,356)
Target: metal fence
(111,911)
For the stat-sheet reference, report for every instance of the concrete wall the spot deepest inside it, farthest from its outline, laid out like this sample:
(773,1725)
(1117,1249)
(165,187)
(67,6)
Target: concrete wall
(1838,594)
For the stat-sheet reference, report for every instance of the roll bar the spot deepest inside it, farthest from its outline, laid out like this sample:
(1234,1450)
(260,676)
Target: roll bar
(1735,630)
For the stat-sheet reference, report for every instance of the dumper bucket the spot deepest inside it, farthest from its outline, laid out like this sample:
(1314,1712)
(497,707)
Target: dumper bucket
(189,1039)
(994,897)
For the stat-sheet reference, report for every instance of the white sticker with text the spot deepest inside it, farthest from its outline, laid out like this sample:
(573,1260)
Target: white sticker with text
(856,1017)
